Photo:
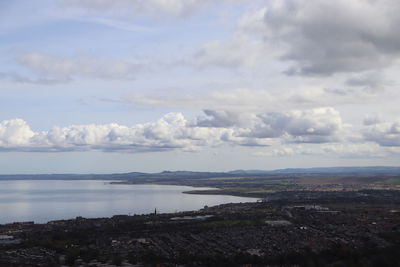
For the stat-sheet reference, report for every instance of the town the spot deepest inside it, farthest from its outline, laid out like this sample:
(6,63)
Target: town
(298,228)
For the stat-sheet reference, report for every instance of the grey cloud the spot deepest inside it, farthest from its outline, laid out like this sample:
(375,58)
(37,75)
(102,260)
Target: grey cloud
(222,119)
(385,134)
(327,37)
(371,120)
(272,125)
(365,85)
(339,91)
(318,125)
(309,126)
(370,82)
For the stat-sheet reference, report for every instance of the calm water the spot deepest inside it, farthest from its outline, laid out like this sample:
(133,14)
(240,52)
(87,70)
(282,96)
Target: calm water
(42,201)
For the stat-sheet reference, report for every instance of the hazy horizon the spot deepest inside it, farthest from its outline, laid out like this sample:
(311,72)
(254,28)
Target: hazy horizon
(188,170)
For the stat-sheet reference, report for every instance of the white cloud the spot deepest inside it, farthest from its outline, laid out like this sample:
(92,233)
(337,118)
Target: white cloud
(170,132)
(341,150)
(240,52)
(280,152)
(254,101)
(317,131)
(356,150)
(171,8)
(246,48)
(63,69)
(18,78)
(15,133)
(239,99)
(114,23)
(174,131)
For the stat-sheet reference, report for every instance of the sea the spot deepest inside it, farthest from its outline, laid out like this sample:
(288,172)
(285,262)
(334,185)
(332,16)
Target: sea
(46,200)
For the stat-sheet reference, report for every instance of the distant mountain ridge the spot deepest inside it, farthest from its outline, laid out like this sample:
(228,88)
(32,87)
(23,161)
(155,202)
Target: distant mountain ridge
(166,175)
(326,170)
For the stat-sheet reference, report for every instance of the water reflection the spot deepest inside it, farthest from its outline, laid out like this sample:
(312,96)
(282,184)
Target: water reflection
(41,201)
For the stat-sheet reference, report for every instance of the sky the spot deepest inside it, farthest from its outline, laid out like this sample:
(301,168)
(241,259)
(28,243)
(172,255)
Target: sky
(104,86)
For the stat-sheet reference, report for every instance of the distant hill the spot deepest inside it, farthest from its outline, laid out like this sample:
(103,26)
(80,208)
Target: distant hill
(243,172)
(326,170)
(165,176)
(172,175)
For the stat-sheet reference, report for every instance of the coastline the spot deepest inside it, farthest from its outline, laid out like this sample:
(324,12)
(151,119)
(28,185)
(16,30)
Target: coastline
(46,200)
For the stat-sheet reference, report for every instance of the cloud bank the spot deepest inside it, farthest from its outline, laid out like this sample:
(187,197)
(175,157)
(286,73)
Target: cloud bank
(326,37)
(174,131)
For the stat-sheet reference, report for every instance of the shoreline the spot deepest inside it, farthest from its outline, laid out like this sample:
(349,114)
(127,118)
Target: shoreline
(259,233)
(139,197)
